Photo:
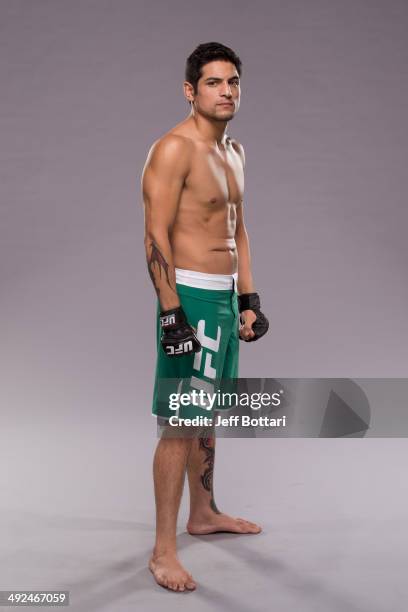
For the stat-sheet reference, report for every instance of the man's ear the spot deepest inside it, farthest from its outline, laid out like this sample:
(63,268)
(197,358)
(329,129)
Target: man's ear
(188,91)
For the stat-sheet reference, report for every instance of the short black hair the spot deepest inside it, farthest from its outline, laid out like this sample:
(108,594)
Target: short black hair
(205,53)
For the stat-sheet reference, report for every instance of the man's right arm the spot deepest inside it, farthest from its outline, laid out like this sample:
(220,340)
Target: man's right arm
(165,171)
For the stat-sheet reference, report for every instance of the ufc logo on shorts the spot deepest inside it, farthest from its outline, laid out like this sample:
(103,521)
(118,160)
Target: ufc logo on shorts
(212,345)
(168,320)
(209,347)
(183,347)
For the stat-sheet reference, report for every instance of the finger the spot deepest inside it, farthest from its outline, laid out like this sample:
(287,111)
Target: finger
(247,333)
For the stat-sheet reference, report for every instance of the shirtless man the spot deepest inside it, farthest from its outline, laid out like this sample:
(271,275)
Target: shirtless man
(198,258)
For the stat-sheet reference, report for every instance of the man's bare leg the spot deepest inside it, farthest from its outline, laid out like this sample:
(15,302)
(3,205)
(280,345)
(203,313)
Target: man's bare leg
(204,515)
(169,468)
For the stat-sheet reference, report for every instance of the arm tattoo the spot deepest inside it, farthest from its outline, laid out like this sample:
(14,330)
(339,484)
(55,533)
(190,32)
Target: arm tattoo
(207,446)
(158,262)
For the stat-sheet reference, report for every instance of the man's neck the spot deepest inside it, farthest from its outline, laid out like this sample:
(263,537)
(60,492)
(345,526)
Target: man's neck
(212,132)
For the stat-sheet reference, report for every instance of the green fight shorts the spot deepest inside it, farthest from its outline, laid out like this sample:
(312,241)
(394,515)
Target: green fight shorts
(210,302)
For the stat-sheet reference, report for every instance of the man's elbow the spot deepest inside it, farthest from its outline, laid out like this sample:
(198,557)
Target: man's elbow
(156,234)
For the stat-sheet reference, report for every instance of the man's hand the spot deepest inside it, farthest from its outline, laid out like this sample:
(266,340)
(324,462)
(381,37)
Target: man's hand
(178,337)
(247,318)
(254,324)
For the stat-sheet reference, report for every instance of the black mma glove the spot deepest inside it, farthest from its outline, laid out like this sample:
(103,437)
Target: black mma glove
(251,301)
(178,337)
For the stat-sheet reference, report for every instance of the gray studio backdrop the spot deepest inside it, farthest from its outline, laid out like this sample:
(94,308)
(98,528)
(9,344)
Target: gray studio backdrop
(88,85)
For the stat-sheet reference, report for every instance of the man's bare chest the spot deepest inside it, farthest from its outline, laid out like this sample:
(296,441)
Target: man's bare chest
(216,179)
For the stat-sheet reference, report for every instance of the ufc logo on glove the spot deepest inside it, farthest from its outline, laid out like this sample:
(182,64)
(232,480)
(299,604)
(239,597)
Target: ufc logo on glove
(178,337)
(183,347)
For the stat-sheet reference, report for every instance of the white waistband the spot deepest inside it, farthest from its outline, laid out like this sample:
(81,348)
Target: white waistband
(203,280)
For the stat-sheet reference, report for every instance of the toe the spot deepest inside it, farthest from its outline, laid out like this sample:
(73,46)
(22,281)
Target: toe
(248,526)
(244,523)
(249,523)
(191,585)
(245,528)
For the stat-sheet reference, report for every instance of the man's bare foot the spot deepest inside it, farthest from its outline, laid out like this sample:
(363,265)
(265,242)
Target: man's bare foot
(169,573)
(211,523)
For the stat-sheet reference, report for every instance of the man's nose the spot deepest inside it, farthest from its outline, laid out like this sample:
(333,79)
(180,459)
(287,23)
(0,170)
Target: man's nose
(227,91)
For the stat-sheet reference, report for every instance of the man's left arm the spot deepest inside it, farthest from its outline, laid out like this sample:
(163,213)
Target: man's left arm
(245,283)
(248,299)
(245,279)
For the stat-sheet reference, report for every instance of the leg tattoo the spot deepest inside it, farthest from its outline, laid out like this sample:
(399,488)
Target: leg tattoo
(207,477)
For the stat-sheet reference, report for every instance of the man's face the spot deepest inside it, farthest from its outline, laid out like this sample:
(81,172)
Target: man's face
(219,91)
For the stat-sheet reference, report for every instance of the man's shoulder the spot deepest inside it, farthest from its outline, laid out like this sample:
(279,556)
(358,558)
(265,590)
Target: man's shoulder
(173,141)
(238,148)
(171,146)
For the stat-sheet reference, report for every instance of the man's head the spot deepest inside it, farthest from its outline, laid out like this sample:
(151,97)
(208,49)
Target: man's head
(212,81)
